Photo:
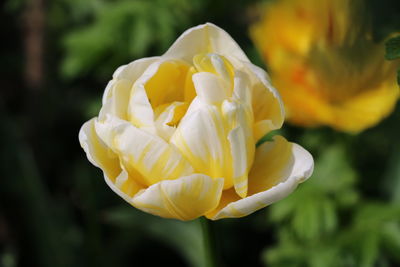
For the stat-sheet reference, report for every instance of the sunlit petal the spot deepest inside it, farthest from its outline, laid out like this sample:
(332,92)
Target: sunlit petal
(273,177)
(97,152)
(206,38)
(185,198)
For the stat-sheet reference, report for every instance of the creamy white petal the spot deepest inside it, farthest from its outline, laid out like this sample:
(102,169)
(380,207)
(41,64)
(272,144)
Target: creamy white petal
(268,107)
(197,135)
(280,181)
(149,155)
(135,69)
(168,118)
(130,72)
(116,103)
(206,38)
(105,128)
(241,88)
(209,88)
(124,185)
(240,166)
(97,152)
(220,67)
(140,111)
(239,119)
(186,198)
(202,138)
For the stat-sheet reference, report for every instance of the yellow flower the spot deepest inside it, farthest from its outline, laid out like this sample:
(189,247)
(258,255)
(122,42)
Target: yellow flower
(325,65)
(176,134)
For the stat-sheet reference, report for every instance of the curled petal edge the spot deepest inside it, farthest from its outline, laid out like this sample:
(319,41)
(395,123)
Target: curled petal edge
(301,171)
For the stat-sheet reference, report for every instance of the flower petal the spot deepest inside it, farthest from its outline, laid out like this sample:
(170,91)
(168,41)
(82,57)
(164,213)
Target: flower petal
(124,185)
(135,69)
(267,104)
(164,81)
(367,108)
(215,64)
(168,116)
(130,72)
(185,198)
(241,88)
(206,38)
(101,156)
(201,138)
(209,88)
(148,155)
(239,118)
(97,152)
(116,102)
(240,165)
(278,168)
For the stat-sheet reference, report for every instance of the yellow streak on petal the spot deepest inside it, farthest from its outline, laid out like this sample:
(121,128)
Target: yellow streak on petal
(168,117)
(170,199)
(201,138)
(97,152)
(127,184)
(148,155)
(179,112)
(216,64)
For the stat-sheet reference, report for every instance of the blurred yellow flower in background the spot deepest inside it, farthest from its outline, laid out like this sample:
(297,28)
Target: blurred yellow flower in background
(323,61)
(176,136)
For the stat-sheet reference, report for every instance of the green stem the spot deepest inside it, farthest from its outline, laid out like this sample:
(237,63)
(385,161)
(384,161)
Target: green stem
(210,249)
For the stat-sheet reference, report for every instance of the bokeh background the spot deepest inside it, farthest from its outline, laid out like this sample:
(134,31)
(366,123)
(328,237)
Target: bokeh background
(55,208)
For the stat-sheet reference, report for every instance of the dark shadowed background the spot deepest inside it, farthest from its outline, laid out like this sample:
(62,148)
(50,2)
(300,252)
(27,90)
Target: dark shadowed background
(55,208)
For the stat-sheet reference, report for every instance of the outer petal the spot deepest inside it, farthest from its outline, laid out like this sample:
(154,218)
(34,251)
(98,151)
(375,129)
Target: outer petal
(206,38)
(135,69)
(101,156)
(124,185)
(272,177)
(267,104)
(130,72)
(148,155)
(116,102)
(97,152)
(185,198)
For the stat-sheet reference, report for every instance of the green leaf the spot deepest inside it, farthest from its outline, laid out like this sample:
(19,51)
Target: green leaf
(391,239)
(393,48)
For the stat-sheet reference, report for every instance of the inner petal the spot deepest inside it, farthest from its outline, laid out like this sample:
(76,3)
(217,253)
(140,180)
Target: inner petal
(168,84)
(168,117)
(165,81)
(202,138)
(215,64)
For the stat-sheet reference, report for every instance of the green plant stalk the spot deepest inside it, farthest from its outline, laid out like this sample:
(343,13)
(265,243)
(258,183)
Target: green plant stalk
(210,248)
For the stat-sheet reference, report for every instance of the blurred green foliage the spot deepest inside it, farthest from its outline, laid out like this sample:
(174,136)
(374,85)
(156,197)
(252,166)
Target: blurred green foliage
(326,223)
(55,209)
(116,32)
(393,52)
